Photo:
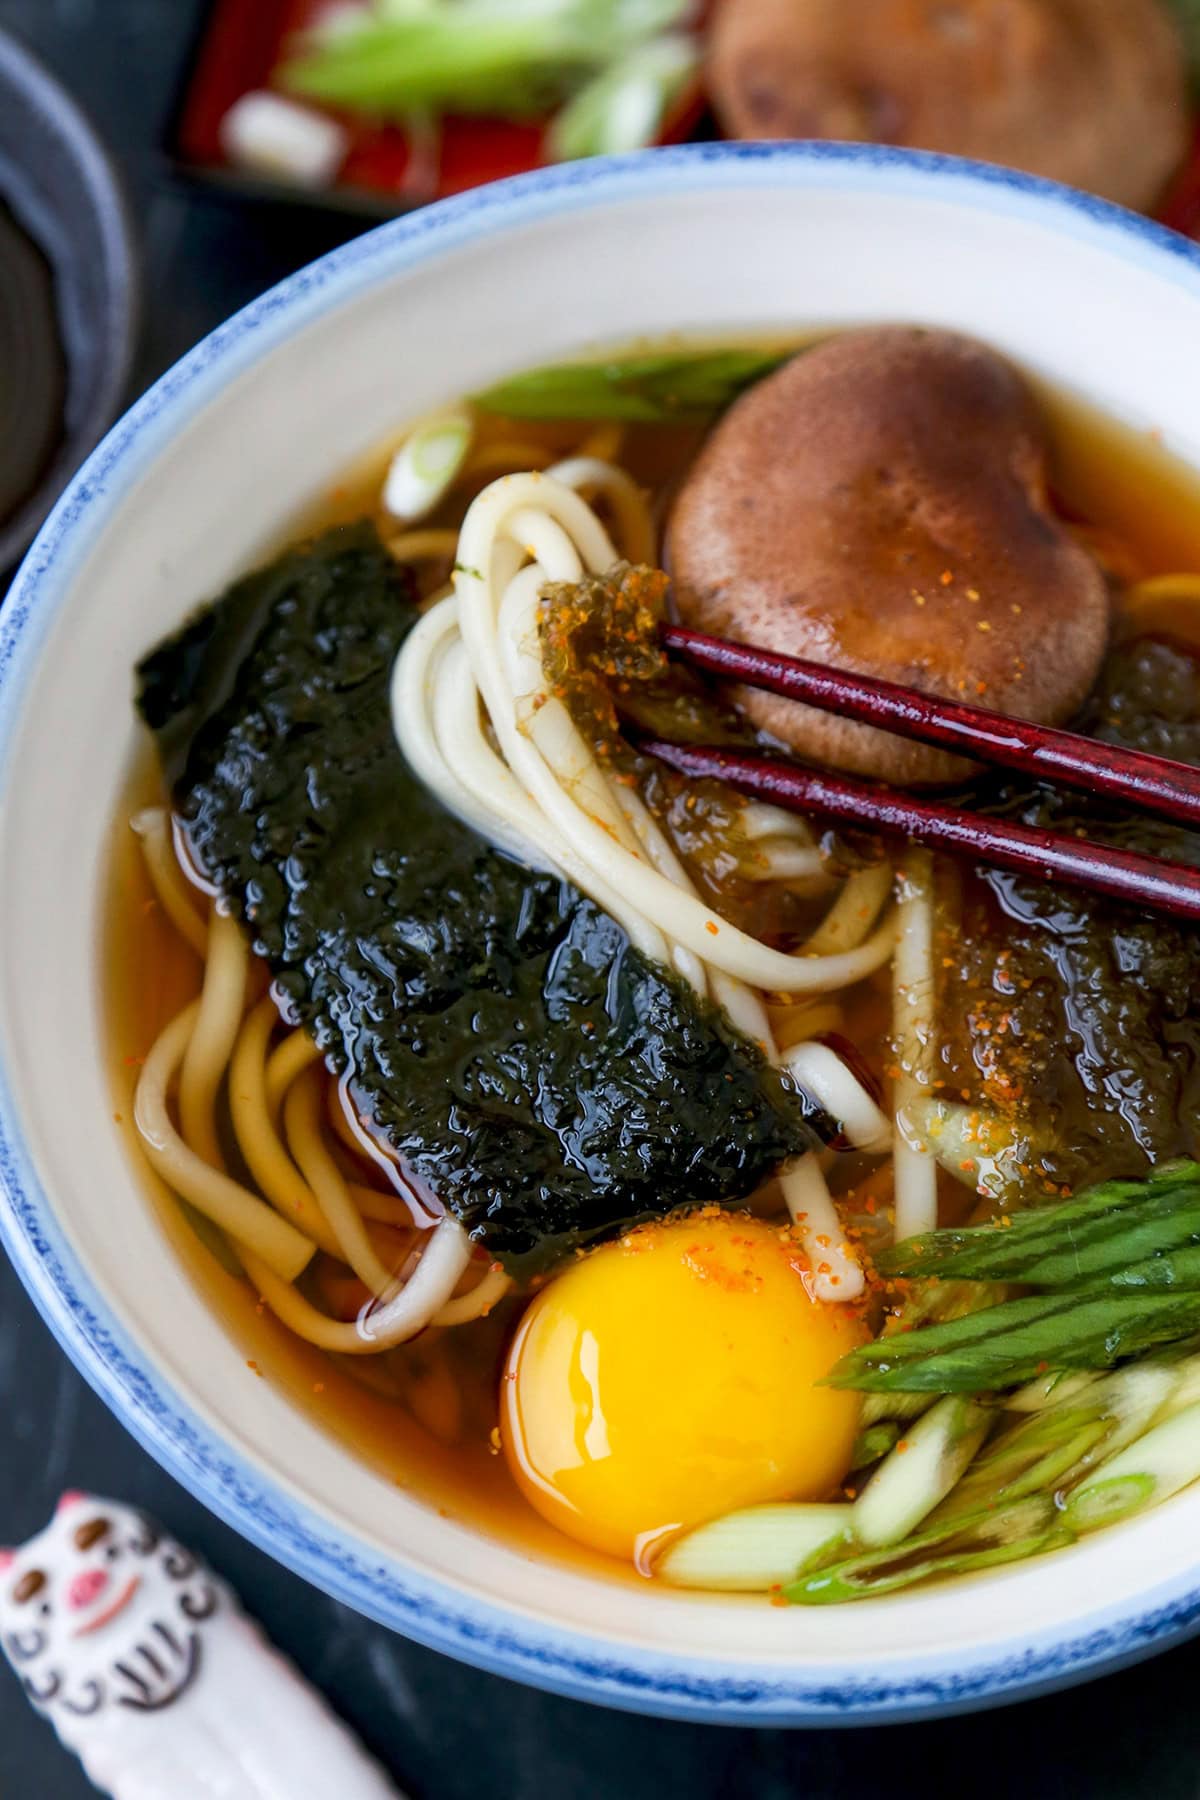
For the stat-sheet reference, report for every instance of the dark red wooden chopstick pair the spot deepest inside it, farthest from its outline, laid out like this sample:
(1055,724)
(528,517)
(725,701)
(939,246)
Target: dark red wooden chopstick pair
(1146,783)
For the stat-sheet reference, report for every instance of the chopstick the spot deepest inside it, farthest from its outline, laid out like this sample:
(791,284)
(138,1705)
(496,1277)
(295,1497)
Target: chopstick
(1029,850)
(1150,783)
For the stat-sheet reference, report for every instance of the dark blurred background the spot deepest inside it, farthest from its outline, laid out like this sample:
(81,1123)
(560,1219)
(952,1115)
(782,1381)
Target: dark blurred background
(445,1731)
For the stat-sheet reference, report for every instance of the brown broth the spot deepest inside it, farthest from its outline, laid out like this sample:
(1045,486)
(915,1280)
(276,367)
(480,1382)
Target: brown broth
(1105,475)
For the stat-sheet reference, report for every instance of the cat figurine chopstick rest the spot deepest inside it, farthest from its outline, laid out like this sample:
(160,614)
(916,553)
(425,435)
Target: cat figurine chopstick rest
(153,1675)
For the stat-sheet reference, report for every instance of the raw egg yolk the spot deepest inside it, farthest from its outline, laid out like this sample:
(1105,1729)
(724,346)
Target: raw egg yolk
(669,1377)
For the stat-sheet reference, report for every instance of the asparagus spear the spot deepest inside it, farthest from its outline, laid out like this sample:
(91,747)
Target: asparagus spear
(1013,1247)
(649,389)
(1016,1341)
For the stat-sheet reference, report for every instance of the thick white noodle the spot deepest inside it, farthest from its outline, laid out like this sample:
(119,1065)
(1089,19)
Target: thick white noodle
(443,1263)
(478,1303)
(820,1071)
(535,788)
(915,1168)
(837,1273)
(785,859)
(382,1324)
(635,526)
(246,1218)
(759,819)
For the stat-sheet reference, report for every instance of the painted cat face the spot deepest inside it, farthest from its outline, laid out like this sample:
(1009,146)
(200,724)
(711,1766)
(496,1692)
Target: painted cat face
(101,1608)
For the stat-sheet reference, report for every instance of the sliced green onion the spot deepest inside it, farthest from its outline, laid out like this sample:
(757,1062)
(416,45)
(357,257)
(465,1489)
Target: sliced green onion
(1026,1529)
(1036,1457)
(427,464)
(646,389)
(624,107)
(1186,1391)
(875,1442)
(753,1550)
(888,1408)
(1048,1390)
(1144,1473)
(511,58)
(1050,1450)
(919,1472)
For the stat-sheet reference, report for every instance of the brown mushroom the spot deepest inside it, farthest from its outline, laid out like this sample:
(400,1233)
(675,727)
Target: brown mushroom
(1091,92)
(880,503)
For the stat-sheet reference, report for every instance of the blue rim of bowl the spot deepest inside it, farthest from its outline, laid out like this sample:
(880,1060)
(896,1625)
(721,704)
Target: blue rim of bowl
(430,1611)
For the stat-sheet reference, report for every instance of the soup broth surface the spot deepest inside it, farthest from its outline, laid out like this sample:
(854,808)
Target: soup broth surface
(425,1415)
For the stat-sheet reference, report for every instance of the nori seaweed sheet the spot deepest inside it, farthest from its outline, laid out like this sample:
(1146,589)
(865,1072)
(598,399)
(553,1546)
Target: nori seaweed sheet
(547,1082)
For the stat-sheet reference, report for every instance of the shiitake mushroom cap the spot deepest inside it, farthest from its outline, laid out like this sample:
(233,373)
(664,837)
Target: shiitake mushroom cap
(880,504)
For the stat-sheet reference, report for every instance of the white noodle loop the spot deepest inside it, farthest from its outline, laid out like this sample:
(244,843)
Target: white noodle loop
(535,789)
(553,535)
(427,1291)
(819,1072)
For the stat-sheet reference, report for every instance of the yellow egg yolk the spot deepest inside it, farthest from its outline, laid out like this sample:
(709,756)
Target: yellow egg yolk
(669,1377)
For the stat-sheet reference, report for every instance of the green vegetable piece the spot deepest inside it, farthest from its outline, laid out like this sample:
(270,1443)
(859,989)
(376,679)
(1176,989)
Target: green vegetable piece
(893,1350)
(892,1409)
(754,1549)
(1048,1390)
(988,1538)
(1108,1499)
(871,1576)
(639,389)
(874,1443)
(624,107)
(513,58)
(1019,1339)
(1007,1251)
(920,1471)
(928,1302)
(1168,1269)
(1186,1391)
(1035,1457)
(1143,1473)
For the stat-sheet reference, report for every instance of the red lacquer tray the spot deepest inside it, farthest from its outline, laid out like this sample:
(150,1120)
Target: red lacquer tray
(240,43)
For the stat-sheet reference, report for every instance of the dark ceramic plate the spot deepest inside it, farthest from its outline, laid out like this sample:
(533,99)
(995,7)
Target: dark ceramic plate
(69,263)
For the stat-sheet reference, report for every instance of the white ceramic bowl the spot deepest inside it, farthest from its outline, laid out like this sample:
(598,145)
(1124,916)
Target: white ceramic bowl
(185,493)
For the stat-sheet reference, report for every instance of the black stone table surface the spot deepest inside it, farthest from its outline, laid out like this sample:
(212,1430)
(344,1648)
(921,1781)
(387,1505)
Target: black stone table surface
(448,1732)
